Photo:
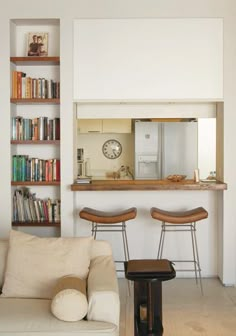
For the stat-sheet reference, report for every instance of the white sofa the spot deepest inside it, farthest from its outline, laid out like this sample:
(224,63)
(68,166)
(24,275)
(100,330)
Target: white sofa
(33,317)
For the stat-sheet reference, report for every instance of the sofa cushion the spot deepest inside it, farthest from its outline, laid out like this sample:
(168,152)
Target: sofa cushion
(69,305)
(32,317)
(35,264)
(70,300)
(70,282)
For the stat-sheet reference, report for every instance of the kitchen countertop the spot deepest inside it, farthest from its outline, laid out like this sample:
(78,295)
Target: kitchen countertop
(148,185)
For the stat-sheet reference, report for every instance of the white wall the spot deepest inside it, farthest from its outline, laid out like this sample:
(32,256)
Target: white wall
(143,58)
(66,12)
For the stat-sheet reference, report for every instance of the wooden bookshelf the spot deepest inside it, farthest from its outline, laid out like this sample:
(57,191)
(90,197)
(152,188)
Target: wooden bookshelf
(38,68)
(36,60)
(35,142)
(38,224)
(35,100)
(38,183)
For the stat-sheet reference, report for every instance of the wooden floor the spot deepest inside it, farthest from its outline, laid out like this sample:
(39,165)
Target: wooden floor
(185,311)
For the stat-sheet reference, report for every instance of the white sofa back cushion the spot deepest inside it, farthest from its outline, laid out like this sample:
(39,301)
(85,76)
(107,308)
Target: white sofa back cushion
(35,264)
(99,247)
(3,257)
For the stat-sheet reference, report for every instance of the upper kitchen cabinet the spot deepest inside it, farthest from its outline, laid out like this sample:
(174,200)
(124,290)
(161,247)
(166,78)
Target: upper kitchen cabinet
(104,126)
(148,59)
(90,126)
(116,126)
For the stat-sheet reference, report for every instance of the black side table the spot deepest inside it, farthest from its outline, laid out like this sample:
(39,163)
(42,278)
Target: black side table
(148,275)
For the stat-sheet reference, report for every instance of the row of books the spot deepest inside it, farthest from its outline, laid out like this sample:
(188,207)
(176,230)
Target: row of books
(28,87)
(28,208)
(25,168)
(41,128)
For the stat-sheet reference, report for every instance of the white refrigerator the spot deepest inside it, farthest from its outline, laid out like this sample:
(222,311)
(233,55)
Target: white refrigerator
(165,148)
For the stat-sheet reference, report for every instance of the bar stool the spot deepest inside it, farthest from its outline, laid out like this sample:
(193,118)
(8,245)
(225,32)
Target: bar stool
(178,222)
(110,221)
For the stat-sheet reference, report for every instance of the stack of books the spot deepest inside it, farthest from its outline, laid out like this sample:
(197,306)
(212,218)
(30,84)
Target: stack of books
(83,179)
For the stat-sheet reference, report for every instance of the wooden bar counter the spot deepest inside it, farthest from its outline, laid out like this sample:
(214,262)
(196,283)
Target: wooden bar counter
(100,185)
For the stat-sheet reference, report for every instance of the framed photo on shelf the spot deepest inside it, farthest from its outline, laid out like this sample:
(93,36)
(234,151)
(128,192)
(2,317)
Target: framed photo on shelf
(37,44)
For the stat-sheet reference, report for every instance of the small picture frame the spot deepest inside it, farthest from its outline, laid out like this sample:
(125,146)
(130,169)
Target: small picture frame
(37,44)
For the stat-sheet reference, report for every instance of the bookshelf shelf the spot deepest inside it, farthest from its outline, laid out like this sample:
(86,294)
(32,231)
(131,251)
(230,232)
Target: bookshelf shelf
(32,224)
(38,183)
(36,60)
(35,142)
(35,101)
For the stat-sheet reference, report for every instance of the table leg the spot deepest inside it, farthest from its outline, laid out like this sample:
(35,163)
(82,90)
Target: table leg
(150,294)
(149,307)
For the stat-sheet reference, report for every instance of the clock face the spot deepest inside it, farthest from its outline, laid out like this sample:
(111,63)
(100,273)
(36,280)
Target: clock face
(112,149)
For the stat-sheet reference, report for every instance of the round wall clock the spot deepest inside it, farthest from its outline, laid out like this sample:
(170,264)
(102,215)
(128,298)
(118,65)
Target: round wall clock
(112,149)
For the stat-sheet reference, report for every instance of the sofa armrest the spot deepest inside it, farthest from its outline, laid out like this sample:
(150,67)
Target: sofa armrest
(103,292)
(3,258)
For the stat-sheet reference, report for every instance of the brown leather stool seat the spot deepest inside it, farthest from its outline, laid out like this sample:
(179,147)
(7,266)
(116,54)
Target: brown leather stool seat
(179,221)
(179,217)
(107,217)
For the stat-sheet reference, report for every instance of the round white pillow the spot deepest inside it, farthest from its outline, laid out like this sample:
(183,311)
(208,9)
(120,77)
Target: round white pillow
(69,305)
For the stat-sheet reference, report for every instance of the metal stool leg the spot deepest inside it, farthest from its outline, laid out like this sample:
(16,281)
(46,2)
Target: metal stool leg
(162,239)
(198,262)
(160,243)
(126,250)
(125,241)
(95,228)
(194,254)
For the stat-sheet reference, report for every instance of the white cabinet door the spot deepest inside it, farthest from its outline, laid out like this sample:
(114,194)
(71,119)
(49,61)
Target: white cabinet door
(90,126)
(116,125)
(133,59)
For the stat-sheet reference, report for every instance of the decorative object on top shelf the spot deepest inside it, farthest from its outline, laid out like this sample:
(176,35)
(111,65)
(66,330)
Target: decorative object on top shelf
(37,44)
(112,149)
(176,178)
